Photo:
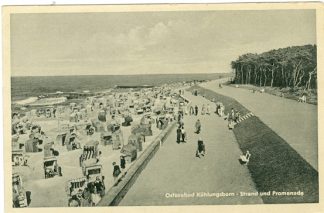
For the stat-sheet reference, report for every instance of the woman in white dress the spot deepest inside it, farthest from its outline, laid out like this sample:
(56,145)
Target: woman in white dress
(208,109)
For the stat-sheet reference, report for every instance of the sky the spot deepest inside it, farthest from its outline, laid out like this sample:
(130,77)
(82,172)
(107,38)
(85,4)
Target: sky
(116,43)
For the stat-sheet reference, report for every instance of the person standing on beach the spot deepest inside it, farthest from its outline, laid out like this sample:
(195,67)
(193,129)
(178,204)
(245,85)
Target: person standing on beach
(54,112)
(196,110)
(232,115)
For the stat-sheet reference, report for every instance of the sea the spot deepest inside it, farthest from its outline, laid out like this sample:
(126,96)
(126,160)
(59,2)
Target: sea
(31,86)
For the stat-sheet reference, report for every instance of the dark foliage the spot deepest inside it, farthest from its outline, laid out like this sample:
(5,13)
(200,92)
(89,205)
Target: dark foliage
(285,67)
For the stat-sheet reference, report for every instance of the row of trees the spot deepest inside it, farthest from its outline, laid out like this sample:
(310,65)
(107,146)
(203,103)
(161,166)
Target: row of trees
(286,67)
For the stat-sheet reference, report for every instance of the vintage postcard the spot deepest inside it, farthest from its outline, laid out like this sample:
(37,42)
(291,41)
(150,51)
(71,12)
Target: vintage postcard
(163,107)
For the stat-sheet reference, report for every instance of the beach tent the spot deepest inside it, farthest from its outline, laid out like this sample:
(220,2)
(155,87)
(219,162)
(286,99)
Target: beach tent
(130,152)
(71,142)
(144,129)
(49,149)
(72,105)
(89,100)
(117,139)
(60,138)
(14,142)
(83,114)
(128,120)
(90,129)
(102,116)
(162,122)
(73,117)
(106,138)
(60,111)
(63,125)
(111,127)
(99,127)
(89,108)
(31,145)
(91,147)
(146,119)
(49,112)
(137,141)
(33,113)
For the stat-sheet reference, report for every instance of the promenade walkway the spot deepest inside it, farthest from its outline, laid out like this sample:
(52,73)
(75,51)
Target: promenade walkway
(175,169)
(294,122)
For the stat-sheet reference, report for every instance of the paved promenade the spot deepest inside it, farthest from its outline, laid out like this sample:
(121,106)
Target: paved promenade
(294,122)
(175,169)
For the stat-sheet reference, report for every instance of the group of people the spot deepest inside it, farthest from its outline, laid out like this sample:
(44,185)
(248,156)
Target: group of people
(117,170)
(181,136)
(89,196)
(233,117)
(205,110)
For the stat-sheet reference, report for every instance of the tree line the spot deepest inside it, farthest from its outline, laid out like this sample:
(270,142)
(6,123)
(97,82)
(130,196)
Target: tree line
(285,67)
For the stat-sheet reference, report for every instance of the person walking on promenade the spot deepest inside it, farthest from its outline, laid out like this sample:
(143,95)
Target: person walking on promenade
(186,109)
(196,110)
(183,134)
(122,162)
(237,116)
(181,123)
(201,149)
(191,110)
(180,116)
(198,126)
(116,171)
(203,109)
(232,114)
(92,190)
(100,187)
(157,121)
(231,118)
(98,157)
(208,109)
(178,134)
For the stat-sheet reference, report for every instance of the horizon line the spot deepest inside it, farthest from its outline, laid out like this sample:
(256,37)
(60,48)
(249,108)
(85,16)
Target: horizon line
(120,74)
